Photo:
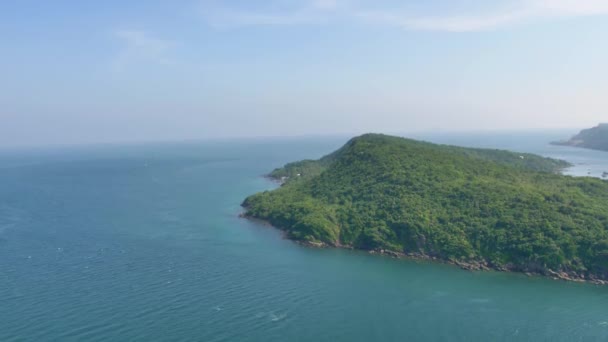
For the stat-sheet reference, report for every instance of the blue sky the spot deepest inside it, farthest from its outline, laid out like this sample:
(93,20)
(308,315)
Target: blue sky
(83,72)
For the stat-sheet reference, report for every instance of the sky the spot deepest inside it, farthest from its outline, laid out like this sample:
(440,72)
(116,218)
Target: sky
(79,72)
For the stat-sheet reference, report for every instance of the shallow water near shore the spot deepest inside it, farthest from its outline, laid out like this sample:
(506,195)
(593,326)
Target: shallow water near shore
(144,243)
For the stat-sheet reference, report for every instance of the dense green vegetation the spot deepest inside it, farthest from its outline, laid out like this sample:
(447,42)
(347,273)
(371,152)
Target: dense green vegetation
(496,208)
(594,138)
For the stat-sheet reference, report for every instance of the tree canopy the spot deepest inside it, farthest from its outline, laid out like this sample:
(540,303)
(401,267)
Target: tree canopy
(595,138)
(505,209)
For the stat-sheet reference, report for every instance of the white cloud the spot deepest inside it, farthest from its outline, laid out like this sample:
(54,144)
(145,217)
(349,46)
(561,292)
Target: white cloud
(506,13)
(570,7)
(450,24)
(139,46)
(514,13)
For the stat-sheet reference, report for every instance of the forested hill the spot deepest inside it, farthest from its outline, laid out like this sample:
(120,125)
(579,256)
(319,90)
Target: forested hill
(594,138)
(486,208)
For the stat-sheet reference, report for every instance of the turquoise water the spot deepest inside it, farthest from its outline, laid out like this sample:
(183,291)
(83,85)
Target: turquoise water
(144,243)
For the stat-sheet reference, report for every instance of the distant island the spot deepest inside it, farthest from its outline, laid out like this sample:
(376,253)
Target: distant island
(595,138)
(476,208)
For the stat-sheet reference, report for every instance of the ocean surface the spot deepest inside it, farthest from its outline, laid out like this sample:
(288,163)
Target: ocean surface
(144,243)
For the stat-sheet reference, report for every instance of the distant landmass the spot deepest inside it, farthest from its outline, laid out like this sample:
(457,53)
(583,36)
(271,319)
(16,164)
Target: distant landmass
(477,208)
(594,138)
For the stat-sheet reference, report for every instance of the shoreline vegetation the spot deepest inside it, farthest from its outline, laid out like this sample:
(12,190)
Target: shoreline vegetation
(467,266)
(473,208)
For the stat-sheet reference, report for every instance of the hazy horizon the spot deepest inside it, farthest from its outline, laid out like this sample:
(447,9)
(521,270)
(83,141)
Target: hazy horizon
(424,135)
(86,73)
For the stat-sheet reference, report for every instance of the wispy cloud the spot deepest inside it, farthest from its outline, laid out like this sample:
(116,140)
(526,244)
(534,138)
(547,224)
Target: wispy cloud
(140,47)
(571,7)
(510,14)
(300,12)
(275,13)
(227,18)
(325,4)
(456,23)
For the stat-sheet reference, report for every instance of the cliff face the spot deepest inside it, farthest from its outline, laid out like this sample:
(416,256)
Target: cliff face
(595,138)
(485,208)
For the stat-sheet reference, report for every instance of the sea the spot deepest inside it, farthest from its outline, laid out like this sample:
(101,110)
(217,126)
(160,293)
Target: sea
(143,242)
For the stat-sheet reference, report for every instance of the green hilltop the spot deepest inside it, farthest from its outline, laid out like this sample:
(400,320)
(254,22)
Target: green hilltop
(595,138)
(475,207)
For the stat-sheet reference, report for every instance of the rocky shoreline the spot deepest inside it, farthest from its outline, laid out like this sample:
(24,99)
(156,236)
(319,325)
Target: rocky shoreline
(468,266)
(471,265)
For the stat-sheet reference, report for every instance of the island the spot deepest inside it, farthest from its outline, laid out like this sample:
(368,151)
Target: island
(595,138)
(477,208)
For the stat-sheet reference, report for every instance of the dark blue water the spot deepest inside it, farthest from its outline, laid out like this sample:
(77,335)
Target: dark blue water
(144,243)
